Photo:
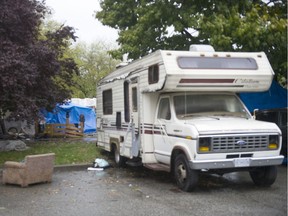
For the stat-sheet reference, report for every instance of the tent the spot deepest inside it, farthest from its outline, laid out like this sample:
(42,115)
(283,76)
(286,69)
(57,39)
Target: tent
(59,116)
(274,98)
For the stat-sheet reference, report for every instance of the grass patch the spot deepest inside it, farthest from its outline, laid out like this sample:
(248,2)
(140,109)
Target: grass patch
(66,151)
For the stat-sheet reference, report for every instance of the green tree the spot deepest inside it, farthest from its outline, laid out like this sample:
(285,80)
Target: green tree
(147,25)
(94,62)
(34,71)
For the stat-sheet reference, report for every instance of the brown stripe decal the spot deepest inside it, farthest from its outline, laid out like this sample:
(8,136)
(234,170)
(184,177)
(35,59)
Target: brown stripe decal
(148,131)
(206,81)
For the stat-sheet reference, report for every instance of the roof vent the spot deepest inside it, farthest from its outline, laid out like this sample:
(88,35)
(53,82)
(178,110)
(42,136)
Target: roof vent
(201,47)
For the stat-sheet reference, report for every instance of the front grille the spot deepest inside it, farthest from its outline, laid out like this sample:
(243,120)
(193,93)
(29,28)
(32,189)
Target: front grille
(236,144)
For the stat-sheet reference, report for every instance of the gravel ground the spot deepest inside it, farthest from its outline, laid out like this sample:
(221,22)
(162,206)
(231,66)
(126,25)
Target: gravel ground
(138,191)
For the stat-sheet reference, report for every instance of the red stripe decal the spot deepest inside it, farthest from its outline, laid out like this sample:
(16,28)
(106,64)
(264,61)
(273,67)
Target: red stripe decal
(206,81)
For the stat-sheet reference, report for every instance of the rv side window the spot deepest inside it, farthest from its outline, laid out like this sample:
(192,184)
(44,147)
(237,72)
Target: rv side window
(153,74)
(107,102)
(134,99)
(164,111)
(126,102)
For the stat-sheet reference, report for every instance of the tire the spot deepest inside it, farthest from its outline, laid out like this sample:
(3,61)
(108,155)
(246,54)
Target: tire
(264,176)
(119,160)
(13,130)
(186,178)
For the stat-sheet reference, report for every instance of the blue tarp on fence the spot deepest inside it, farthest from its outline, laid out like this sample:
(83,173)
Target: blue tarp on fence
(275,97)
(59,116)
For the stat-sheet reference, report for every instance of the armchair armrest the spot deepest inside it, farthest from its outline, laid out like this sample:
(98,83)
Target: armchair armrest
(12,164)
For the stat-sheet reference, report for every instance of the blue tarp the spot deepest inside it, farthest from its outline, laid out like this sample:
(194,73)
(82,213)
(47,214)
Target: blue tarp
(274,98)
(59,116)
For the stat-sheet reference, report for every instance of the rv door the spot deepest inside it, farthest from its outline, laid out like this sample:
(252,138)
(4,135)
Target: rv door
(162,127)
(134,119)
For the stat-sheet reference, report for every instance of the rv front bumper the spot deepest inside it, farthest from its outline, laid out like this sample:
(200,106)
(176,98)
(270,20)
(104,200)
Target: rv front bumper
(236,163)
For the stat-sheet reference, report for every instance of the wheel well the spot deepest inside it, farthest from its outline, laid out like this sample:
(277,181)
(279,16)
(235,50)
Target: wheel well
(114,143)
(113,146)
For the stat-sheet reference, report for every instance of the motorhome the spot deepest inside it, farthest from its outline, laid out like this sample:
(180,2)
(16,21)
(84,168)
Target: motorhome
(178,111)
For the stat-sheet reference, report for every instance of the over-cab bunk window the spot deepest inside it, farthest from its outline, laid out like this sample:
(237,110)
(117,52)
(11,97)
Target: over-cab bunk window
(192,62)
(107,102)
(153,74)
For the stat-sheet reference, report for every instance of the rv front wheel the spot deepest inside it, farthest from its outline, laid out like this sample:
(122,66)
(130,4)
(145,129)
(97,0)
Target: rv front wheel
(264,176)
(119,160)
(185,177)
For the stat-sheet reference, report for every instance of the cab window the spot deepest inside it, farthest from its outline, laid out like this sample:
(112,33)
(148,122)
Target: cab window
(164,111)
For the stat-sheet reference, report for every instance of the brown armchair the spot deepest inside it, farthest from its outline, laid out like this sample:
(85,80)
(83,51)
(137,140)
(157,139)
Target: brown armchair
(35,169)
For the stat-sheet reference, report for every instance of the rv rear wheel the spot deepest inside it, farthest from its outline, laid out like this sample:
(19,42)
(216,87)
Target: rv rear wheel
(185,177)
(264,176)
(119,160)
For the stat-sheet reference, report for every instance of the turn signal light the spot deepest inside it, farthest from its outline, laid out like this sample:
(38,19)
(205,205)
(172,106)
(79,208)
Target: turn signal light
(204,149)
(272,146)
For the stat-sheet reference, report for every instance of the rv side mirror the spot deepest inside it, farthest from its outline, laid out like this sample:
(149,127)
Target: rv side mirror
(255,112)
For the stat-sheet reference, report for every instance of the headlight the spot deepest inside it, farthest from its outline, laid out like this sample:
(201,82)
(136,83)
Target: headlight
(273,142)
(204,144)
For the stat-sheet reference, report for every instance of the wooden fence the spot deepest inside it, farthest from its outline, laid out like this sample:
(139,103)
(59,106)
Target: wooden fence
(64,130)
(61,130)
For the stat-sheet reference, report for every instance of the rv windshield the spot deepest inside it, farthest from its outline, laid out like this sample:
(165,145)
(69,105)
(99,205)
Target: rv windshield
(190,105)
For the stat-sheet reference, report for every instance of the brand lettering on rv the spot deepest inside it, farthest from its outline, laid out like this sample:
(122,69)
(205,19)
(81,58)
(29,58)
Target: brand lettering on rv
(246,81)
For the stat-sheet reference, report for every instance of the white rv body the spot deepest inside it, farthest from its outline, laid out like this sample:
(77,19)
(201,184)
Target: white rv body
(131,105)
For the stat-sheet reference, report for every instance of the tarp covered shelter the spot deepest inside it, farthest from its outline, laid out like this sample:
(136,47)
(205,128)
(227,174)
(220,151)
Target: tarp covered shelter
(274,98)
(59,116)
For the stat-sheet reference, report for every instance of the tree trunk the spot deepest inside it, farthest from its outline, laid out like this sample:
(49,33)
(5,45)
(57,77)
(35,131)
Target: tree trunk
(2,126)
